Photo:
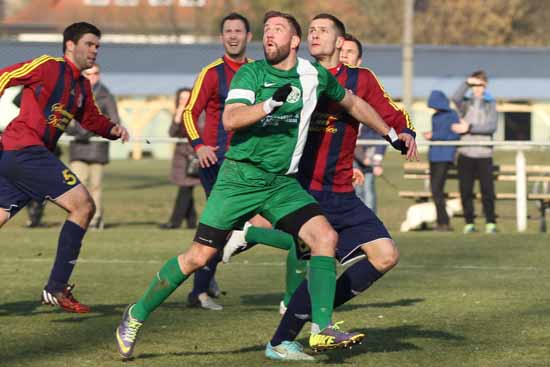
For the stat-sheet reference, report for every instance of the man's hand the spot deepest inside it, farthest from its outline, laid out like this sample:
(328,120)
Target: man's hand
(403,142)
(377,171)
(358,177)
(461,128)
(207,155)
(121,132)
(278,98)
(427,135)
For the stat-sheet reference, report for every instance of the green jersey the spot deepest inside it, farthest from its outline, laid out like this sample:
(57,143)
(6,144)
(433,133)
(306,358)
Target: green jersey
(276,142)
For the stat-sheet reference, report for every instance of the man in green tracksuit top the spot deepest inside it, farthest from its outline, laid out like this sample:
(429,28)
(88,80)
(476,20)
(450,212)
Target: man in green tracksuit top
(269,106)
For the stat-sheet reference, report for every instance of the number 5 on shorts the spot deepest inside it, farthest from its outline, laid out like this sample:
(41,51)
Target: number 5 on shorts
(69,177)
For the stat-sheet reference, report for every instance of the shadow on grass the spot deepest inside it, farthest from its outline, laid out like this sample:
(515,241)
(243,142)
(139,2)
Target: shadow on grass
(378,341)
(394,339)
(271,300)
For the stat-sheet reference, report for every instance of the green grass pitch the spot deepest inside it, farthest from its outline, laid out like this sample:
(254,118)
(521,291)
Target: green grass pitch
(453,300)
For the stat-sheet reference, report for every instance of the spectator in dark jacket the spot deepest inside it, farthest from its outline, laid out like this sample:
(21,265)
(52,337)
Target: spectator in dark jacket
(441,157)
(182,173)
(479,122)
(87,158)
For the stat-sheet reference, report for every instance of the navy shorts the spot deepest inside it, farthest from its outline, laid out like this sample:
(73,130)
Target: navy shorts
(32,173)
(355,223)
(209,175)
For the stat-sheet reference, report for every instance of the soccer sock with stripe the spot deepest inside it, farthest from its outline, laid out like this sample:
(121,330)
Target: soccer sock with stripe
(68,249)
(164,283)
(356,279)
(322,284)
(296,271)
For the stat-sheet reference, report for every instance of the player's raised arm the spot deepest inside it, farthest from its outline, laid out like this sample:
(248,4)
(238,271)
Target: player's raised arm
(364,113)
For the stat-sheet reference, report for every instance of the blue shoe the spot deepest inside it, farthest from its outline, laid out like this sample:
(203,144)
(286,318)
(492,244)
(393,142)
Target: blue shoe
(126,334)
(287,351)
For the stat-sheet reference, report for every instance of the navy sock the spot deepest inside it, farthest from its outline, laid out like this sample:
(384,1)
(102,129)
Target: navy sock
(68,248)
(355,280)
(204,275)
(297,314)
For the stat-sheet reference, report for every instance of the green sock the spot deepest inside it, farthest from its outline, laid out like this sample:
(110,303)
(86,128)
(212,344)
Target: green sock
(295,273)
(270,237)
(322,286)
(165,282)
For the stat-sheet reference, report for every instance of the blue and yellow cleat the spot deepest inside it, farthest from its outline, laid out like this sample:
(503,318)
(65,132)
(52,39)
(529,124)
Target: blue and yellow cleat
(332,337)
(126,333)
(287,351)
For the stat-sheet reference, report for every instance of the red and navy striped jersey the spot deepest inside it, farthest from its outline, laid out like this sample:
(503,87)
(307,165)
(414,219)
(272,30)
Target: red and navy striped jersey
(209,95)
(54,93)
(327,161)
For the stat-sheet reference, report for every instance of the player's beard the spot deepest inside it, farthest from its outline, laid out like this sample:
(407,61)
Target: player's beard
(279,55)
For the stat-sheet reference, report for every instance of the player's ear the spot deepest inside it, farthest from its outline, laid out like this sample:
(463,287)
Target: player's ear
(295,42)
(249,37)
(70,45)
(339,42)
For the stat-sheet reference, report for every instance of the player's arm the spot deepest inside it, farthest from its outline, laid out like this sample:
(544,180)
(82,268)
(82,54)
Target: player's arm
(364,113)
(92,119)
(238,115)
(371,90)
(203,89)
(25,73)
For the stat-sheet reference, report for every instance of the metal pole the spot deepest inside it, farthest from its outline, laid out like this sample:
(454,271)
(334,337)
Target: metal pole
(408,53)
(521,191)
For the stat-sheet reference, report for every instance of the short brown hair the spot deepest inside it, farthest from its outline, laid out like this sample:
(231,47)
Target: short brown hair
(338,24)
(352,38)
(480,74)
(291,20)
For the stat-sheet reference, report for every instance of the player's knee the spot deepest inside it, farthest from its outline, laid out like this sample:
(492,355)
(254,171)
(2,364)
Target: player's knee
(193,261)
(387,258)
(87,208)
(326,239)
(4,217)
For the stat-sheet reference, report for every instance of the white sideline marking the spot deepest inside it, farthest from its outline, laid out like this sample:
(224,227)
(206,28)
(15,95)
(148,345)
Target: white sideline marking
(253,263)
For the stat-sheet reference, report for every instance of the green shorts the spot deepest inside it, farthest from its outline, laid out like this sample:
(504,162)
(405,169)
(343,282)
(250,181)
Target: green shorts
(243,190)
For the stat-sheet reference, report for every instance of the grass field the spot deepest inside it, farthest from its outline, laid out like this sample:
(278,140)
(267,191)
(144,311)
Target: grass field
(453,300)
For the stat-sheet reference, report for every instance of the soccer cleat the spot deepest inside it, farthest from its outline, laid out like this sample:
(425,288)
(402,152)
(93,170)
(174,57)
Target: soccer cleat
(287,351)
(65,300)
(332,337)
(490,228)
(206,303)
(282,308)
(235,242)
(126,333)
(469,228)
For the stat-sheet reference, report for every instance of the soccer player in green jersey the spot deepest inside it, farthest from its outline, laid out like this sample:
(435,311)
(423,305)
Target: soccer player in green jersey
(269,107)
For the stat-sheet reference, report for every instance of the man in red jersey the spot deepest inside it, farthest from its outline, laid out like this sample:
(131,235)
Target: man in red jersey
(209,95)
(326,172)
(54,93)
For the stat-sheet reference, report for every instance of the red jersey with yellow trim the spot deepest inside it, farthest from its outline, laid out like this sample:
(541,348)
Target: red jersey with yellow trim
(54,93)
(209,95)
(327,161)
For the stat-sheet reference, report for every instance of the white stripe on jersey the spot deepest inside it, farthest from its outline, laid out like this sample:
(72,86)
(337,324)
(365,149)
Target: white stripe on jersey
(309,80)
(241,94)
